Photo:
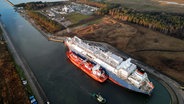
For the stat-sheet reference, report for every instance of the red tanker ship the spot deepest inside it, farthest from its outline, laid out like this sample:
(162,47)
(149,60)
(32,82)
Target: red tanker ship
(92,70)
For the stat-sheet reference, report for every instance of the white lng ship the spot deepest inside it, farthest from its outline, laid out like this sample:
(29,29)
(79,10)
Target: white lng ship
(120,71)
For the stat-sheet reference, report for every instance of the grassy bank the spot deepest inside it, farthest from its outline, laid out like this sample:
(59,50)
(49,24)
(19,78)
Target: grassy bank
(23,78)
(12,90)
(45,23)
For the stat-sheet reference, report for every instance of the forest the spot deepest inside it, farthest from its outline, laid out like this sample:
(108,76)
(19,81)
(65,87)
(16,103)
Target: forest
(168,23)
(47,24)
(38,5)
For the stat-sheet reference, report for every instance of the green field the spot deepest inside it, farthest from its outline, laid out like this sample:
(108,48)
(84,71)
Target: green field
(76,17)
(96,21)
(151,5)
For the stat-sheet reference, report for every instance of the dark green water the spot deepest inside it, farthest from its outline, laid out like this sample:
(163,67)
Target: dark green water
(62,82)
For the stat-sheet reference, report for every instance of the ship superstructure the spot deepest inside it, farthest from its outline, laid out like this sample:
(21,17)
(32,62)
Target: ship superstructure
(121,71)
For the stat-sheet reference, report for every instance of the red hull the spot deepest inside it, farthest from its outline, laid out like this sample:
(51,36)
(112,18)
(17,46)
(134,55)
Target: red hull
(80,64)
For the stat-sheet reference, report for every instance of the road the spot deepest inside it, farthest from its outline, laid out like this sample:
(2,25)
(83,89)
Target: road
(36,88)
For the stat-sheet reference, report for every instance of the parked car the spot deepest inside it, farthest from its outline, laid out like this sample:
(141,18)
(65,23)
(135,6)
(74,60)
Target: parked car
(33,100)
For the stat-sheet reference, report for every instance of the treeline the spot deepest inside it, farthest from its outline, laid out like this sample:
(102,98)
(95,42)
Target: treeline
(38,5)
(91,3)
(168,23)
(105,10)
(47,24)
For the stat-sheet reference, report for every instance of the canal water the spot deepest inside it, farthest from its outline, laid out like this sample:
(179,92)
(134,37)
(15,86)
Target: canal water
(62,82)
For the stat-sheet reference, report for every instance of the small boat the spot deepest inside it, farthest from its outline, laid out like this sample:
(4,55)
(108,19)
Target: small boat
(99,98)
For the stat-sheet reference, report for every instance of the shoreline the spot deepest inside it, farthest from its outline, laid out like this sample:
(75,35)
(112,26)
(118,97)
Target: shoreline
(36,88)
(28,19)
(48,36)
(172,86)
